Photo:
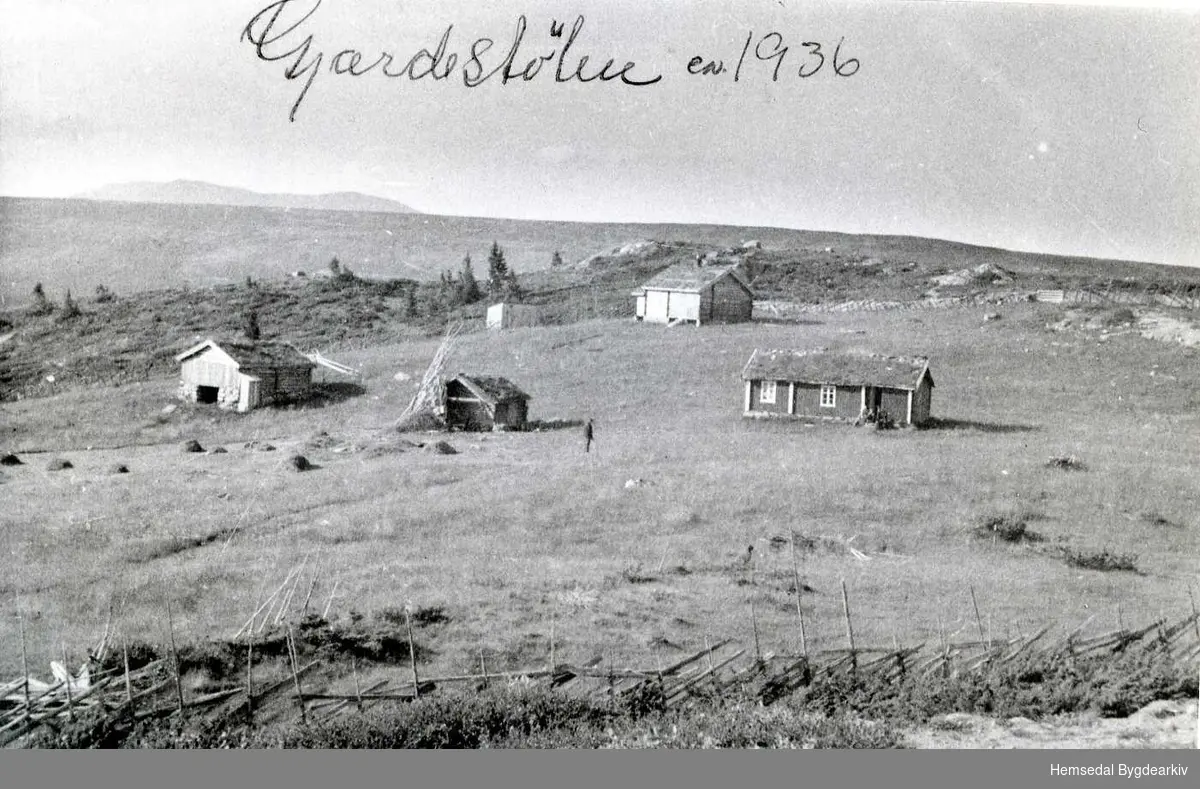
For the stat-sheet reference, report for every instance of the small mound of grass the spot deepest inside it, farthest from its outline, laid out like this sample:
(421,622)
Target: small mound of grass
(300,463)
(1157,519)
(634,575)
(1066,462)
(1009,528)
(1103,561)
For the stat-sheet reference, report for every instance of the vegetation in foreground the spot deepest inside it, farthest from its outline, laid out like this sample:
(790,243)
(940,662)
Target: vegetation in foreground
(842,710)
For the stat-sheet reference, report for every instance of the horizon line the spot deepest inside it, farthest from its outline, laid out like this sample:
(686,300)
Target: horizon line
(416,212)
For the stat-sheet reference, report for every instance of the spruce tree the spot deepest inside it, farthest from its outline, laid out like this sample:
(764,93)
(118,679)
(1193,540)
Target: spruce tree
(69,309)
(497,270)
(252,329)
(468,286)
(41,304)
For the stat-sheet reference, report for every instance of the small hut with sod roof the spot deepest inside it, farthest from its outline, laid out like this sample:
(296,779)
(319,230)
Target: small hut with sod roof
(695,293)
(472,402)
(821,384)
(243,375)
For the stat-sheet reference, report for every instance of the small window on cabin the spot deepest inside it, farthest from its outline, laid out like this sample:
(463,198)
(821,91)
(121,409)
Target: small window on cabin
(767,393)
(828,396)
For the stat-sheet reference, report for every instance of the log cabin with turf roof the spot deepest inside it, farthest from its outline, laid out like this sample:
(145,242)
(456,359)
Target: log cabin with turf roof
(243,375)
(695,293)
(472,402)
(837,385)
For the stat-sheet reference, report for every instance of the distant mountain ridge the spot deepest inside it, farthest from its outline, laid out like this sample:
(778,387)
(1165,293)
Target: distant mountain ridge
(203,193)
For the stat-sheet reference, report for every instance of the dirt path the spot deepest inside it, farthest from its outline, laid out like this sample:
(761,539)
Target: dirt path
(1162,724)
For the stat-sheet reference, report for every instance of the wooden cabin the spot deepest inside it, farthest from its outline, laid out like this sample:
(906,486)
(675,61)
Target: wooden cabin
(472,402)
(695,293)
(511,316)
(820,384)
(242,375)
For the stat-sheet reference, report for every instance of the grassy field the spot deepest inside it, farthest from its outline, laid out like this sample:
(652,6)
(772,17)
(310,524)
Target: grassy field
(523,533)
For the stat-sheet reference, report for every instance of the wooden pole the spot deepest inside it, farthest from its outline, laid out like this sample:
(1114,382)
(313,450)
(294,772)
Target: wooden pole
(708,651)
(174,655)
(978,620)
(249,685)
(412,653)
(754,623)
(307,597)
(483,668)
(553,623)
(1195,616)
(67,667)
(128,682)
(291,644)
(849,626)
(357,688)
(945,648)
(325,613)
(24,662)
(799,609)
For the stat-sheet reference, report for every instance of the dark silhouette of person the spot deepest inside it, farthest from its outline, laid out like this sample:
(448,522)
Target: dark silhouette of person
(587,436)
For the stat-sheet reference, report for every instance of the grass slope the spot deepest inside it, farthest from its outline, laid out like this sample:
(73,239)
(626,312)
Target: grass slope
(522,530)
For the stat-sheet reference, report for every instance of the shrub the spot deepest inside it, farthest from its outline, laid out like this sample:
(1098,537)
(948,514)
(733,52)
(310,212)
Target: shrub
(1010,528)
(1104,561)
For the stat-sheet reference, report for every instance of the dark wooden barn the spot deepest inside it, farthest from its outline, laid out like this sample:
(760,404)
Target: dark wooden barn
(244,375)
(820,384)
(473,402)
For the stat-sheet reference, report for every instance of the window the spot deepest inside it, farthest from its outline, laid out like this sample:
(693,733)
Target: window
(828,396)
(766,394)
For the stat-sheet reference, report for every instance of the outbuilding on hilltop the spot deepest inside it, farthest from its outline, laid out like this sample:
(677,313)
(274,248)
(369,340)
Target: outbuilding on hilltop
(243,375)
(695,293)
(507,315)
(472,402)
(843,385)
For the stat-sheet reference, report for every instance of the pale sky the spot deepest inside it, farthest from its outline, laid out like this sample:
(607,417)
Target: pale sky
(1052,128)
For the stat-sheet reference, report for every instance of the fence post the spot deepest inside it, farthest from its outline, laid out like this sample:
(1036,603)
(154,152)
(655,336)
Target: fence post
(849,628)
(25,663)
(174,655)
(799,609)
(412,652)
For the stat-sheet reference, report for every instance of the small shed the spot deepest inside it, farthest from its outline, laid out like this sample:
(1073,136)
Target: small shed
(695,293)
(243,375)
(821,384)
(510,316)
(473,402)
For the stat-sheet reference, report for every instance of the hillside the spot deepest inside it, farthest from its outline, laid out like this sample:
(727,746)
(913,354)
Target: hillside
(202,193)
(80,244)
(120,337)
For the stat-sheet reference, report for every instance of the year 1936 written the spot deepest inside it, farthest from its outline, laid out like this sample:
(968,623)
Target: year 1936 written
(772,48)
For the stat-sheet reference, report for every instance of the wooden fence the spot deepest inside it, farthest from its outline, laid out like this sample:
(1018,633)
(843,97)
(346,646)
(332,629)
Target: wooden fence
(155,689)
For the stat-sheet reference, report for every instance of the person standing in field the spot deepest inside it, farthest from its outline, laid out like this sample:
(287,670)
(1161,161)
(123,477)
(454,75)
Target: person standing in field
(587,436)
